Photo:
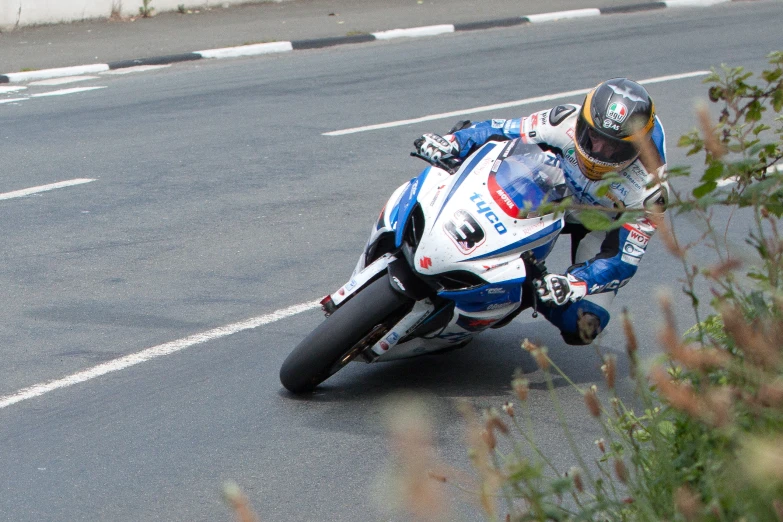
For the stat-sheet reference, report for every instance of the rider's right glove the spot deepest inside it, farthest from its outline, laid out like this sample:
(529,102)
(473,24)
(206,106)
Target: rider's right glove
(437,147)
(559,289)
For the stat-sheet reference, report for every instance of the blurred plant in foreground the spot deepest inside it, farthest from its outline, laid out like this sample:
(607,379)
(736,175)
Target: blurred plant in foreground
(703,439)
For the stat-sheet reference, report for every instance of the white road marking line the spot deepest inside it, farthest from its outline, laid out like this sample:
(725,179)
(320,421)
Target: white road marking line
(11,88)
(138,68)
(72,90)
(11,100)
(498,106)
(44,188)
(63,80)
(152,353)
(734,179)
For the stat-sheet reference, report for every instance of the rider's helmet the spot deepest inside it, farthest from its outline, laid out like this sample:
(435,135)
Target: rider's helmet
(616,116)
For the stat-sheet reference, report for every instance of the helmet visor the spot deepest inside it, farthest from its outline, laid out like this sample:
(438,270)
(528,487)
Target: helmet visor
(601,147)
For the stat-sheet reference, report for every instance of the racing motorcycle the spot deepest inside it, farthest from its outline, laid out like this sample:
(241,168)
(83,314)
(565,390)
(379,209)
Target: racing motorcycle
(454,252)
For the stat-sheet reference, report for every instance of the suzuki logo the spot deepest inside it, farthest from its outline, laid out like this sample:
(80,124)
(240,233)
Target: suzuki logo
(483,208)
(425,262)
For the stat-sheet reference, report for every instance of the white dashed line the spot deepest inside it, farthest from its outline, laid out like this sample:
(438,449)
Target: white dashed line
(152,353)
(63,80)
(62,92)
(12,100)
(498,106)
(44,188)
(11,88)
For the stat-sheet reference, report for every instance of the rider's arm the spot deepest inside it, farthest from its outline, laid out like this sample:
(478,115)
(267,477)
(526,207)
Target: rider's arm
(480,133)
(619,258)
(540,127)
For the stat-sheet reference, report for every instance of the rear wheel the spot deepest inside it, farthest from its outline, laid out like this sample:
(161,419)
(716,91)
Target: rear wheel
(357,324)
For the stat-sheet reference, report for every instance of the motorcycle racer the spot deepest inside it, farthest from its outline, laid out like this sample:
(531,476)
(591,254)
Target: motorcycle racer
(615,130)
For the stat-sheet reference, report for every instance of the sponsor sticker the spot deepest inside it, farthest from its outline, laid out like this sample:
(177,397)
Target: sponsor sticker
(498,124)
(633,250)
(636,236)
(560,113)
(473,324)
(465,232)
(631,260)
(617,112)
(484,209)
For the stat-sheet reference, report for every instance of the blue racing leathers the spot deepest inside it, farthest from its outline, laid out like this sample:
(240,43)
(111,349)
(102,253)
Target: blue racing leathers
(605,261)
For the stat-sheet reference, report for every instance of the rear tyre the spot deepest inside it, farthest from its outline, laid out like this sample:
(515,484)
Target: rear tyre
(336,341)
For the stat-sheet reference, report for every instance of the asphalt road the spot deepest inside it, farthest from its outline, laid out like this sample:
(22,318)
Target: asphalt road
(217,199)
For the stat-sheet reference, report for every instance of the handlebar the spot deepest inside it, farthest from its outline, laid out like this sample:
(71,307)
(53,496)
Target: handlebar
(451,167)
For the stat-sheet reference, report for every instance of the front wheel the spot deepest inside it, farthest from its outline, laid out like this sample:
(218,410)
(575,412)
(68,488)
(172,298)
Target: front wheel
(358,323)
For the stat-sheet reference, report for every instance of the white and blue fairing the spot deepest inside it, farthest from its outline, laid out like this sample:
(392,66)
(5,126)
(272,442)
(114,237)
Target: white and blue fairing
(477,223)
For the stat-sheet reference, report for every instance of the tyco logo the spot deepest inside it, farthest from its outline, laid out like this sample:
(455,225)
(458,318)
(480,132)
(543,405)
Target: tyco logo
(483,208)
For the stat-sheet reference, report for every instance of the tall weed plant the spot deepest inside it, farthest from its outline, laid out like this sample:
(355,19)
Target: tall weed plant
(703,437)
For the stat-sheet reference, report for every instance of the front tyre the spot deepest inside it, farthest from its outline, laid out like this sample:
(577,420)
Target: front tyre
(343,335)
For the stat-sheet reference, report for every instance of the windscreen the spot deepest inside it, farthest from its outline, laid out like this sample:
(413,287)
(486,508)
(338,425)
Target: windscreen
(525,179)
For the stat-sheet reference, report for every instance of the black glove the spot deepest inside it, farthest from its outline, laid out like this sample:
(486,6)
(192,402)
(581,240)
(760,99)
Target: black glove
(436,147)
(559,289)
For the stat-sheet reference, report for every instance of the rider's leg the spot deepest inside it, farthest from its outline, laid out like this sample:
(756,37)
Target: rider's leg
(581,322)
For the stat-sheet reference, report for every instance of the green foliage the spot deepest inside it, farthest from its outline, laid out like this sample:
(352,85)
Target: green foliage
(704,437)
(146,9)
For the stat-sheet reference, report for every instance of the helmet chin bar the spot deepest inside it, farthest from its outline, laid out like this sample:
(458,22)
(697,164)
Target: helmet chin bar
(595,170)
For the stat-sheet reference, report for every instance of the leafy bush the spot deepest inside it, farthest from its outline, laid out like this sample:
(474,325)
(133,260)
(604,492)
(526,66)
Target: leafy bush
(703,439)
(708,441)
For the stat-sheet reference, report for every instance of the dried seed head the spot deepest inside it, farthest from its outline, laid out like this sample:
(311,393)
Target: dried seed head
(601,443)
(538,353)
(521,388)
(541,357)
(616,406)
(717,406)
(717,272)
(750,337)
(610,370)
(591,400)
(620,471)
(493,422)
(632,345)
(680,396)
(576,475)
(509,409)
(711,142)
(771,394)
(239,503)
(688,503)
(529,346)
(489,439)
(669,239)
